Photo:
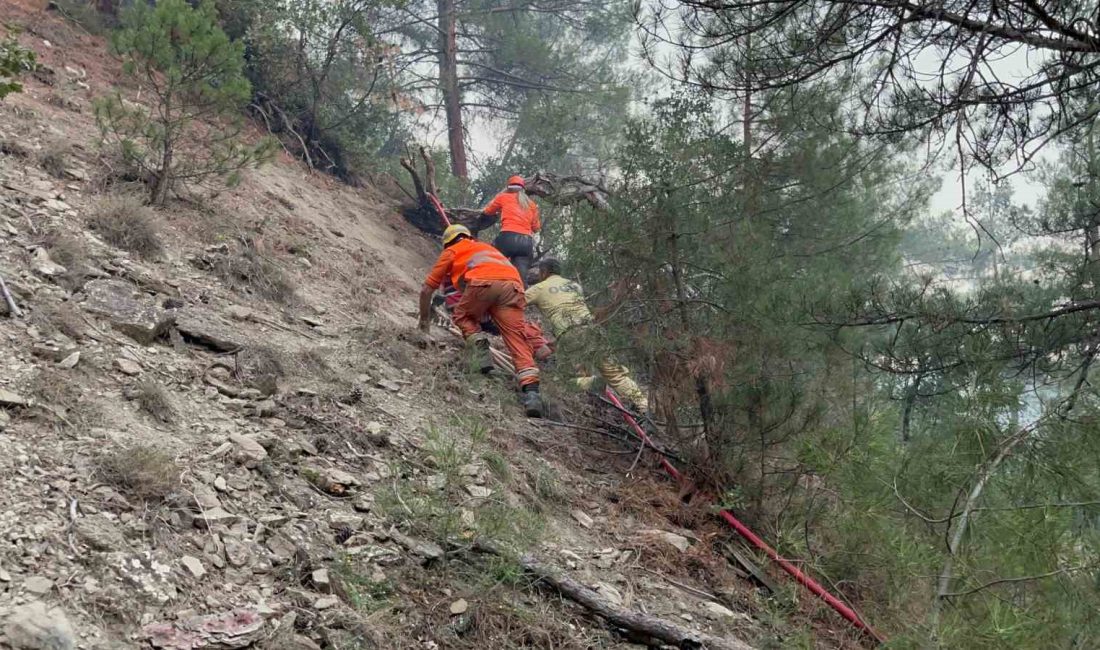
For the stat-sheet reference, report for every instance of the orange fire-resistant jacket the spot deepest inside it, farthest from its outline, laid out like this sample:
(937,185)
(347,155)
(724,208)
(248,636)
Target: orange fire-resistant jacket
(469,260)
(513,218)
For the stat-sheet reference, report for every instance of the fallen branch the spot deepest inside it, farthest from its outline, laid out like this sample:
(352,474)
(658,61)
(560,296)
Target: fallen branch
(631,620)
(13,309)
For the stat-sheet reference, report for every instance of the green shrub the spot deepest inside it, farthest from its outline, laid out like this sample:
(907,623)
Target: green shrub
(14,61)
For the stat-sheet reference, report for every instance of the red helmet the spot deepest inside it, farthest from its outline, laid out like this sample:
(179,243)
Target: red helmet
(517,180)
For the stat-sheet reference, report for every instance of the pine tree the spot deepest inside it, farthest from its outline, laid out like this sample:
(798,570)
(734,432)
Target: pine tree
(14,61)
(192,131)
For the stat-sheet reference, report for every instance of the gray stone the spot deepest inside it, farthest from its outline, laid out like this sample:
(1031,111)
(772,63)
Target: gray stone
(281,548)
(429,551)
(250,453)
(34,627)
(128,367)
(8,398)
(39,585)
(44,266)
(193,565)
(610,592)
(328,602)
(207,328)
(299,642)
(70,361)
(479,492)
(330,479)
(204,498)
(149,578)
(215,517)
(680,542)
(716,611)
(128,309)
(99,533)
(582,518)
(321,580)
(239,628)
(389,385)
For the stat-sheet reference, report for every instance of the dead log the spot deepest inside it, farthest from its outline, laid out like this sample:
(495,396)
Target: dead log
(569,190)
(630,620)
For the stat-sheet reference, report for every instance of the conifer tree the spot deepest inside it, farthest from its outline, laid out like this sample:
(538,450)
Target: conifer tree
(14,61)
(192,131)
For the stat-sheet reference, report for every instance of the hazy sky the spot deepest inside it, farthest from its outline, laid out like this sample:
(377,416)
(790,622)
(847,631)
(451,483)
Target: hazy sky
(486,137)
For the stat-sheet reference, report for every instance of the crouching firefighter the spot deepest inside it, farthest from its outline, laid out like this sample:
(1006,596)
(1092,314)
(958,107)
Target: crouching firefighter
(489,285)
(561,301)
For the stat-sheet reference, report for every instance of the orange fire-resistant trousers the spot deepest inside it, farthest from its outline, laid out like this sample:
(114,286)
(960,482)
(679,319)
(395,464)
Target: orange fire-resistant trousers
(504,301)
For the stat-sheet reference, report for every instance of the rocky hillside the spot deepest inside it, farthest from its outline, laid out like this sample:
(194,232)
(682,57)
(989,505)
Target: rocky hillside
(217,430)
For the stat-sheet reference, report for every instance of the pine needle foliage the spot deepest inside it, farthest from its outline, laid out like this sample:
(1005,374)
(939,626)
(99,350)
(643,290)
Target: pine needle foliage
(192,131)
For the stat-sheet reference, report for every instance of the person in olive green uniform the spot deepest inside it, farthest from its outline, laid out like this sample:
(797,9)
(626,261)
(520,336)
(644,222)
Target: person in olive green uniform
(561,302)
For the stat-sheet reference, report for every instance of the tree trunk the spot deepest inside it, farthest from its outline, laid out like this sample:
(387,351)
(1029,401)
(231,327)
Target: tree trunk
(652,629)
(910,401)
(163,181)
(448,85)
(962,522)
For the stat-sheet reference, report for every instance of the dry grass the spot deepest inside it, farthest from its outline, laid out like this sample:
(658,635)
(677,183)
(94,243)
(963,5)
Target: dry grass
(125,222)
(139,471)
(63,318)
(248,270)
(14,148)
(154,400)
(312,361)
(508,624)
(70,252)
(261,367)
(54,159)
(62,395)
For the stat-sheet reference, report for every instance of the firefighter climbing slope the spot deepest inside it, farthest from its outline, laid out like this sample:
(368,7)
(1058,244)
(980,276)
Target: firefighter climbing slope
(561,301)
(489,285)
(519,220)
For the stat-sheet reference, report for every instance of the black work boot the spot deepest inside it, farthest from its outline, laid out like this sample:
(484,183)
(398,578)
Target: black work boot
(483,357)
(532,401)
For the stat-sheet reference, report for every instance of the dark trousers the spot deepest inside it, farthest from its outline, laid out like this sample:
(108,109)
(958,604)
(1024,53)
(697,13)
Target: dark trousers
(518,249)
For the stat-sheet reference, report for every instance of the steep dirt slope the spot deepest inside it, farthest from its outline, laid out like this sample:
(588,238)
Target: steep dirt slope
(236,442)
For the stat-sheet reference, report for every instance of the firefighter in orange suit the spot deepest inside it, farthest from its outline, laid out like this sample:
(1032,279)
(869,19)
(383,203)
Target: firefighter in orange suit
(489,285)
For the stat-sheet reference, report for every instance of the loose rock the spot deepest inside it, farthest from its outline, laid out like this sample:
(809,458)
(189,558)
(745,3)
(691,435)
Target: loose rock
(130,311)
(193,565)
(128,367)
(38,585)
(680,542)
(44,266)
(250,453)
(34,627)
(239,628)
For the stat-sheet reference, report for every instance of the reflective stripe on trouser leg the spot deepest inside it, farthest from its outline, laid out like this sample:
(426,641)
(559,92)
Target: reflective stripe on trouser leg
(528,376)
(618,378)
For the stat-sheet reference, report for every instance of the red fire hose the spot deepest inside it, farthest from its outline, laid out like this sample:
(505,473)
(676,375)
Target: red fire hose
(439,208)
(743,530)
